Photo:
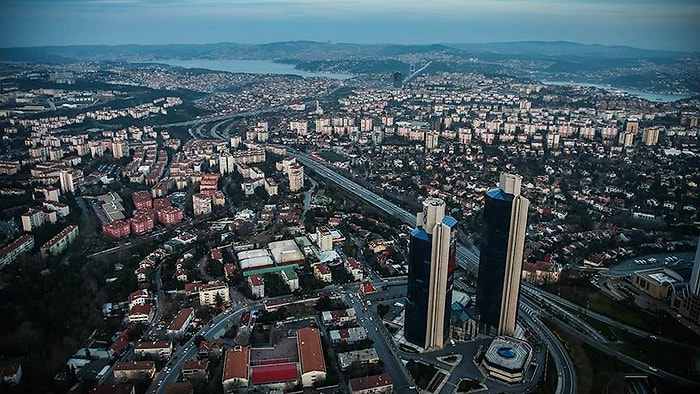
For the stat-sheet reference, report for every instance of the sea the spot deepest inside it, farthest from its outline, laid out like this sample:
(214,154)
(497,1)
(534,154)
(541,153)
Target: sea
(250,67)
(658,97)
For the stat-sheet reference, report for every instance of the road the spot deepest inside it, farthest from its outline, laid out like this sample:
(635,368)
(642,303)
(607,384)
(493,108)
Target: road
(189,350)
(382,342)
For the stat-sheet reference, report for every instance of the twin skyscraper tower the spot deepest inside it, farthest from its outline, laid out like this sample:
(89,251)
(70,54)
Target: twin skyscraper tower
(432,261)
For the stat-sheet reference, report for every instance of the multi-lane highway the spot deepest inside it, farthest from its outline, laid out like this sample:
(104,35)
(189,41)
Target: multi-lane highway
(566,382)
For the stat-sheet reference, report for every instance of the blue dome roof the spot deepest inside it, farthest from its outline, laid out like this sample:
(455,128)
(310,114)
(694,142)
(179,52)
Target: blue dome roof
(506,352)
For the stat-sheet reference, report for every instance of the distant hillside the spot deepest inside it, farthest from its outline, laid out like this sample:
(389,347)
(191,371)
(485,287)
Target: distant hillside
(314,51)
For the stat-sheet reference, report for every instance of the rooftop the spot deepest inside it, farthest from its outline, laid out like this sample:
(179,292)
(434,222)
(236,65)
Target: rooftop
(310,350)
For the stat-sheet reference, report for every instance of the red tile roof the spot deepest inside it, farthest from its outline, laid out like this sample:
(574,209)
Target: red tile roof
(180,319)
(310,350)
(236,363)
(263,374)
(370,382)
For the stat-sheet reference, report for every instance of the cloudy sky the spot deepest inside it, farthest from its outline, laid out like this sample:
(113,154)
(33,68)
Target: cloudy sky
(655,24)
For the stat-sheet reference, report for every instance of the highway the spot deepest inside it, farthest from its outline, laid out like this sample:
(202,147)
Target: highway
(553,299)
(566,382)
(466,258)
(621,356)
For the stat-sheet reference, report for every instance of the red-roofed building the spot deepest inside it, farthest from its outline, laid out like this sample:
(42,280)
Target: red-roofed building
(235,372)
(117,229)
(118,348)
(10,252)
(257,286)
(141,223)
(275,376)
(210,349)
(367,288)
(170,215)
(196,369)
(323,273)
(140,314)
(11,374)
(131,371)
(160,203)
(229,270)
(180,323)
(312,363)
(371,384)
(354,268)
(192,289)
(142,200)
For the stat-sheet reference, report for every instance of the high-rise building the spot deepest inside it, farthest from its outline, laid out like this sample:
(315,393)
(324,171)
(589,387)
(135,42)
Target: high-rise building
(431,264)
(296,177)
(695,275)
(500,262)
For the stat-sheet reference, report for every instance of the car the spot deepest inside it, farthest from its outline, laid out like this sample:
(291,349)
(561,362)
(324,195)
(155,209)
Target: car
(653,369)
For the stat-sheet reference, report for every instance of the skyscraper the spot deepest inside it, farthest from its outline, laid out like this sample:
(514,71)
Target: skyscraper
(500,262)
(431,263)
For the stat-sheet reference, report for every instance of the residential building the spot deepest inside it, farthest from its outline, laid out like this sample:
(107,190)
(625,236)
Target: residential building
(11,374)
(291,278)
(323,273)
(338,317)
(541,272)
(357,358)
(257,286)
(296,177)
(142,200)
(60,241)
(117,229)
(500,262)
(431,264)
(196,370)
(32,219)
(373,384)
(235,374)
(349,335)
(311,360)
(180,322)
(140,314)
(132,371)
(354,268)
(169,216)
(212,293)
(324,239)
(154,350)
(201,204)
(20,245)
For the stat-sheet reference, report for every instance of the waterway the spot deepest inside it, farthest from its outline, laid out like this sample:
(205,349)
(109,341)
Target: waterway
(657,97)
(250,67)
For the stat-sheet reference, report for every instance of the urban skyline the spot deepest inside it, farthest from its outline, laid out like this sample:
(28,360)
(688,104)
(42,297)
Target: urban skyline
(643,23)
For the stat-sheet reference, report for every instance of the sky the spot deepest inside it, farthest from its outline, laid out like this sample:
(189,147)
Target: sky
(652,24)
